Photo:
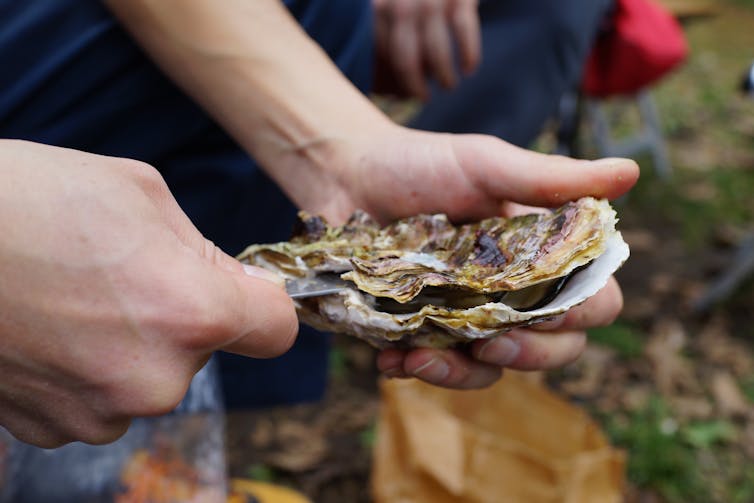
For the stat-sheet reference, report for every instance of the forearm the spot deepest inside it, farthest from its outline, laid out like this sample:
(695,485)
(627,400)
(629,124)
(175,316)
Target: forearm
(251,66)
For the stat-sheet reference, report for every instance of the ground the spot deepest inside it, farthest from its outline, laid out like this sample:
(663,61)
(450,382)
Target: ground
(672,386)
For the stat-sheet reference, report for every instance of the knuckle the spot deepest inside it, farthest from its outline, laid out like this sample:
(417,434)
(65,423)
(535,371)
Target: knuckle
(104,432)
(406,10)
(434,8)
(481,378)
(145,175)
(46,440)
(159,399)
(208,321)
(148,391)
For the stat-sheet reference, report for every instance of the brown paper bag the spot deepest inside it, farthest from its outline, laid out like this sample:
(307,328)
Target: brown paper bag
(513,442)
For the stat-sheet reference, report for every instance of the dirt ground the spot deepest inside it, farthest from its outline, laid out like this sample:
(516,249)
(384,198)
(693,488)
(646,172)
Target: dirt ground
(672,386)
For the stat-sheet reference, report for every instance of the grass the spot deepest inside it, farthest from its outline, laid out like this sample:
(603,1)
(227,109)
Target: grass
(709,130)
(699,204)
(681,462)
(747,387)
(658,458)
(621,336)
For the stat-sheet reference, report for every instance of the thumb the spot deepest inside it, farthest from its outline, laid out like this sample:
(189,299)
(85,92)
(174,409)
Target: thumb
(244,310)
(262,315)
(511,173)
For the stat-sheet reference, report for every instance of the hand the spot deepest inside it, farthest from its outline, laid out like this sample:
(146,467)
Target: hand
(110,299)
(332,151)
(416,39)
(397,172)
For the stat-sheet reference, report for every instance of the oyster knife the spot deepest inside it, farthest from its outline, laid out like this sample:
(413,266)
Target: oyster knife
(323,284)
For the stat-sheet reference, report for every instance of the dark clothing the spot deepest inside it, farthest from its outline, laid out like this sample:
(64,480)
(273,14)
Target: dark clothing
(533,52)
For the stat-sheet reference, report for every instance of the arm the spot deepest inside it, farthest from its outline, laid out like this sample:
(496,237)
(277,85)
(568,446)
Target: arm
(251,66)
(332,151)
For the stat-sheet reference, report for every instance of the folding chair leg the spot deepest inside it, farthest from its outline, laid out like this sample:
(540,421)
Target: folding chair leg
(648,138)
(739,269)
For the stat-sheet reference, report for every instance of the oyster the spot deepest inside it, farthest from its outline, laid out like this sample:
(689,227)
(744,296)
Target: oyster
(422,281)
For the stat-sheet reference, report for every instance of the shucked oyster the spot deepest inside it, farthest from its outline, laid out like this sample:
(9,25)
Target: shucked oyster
(424,282)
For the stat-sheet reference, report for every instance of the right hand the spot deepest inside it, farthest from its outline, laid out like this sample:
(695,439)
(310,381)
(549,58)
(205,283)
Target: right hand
(110,299)
(416,39)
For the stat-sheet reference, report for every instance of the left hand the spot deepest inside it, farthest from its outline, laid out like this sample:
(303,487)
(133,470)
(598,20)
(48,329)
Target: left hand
(416,40)
(398,172)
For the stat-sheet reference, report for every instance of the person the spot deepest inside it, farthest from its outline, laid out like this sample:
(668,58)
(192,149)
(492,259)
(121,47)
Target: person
(114,294)
(498,68)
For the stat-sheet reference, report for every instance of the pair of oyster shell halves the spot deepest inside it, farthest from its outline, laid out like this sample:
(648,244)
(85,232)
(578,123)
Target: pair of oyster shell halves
(423,282)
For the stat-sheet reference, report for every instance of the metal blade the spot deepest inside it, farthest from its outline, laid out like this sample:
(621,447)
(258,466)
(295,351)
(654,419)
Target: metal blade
(326,284)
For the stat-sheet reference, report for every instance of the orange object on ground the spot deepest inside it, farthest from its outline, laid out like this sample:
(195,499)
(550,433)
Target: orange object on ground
(513,442)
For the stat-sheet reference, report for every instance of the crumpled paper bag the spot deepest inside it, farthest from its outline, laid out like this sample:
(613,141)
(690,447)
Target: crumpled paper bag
(513,442)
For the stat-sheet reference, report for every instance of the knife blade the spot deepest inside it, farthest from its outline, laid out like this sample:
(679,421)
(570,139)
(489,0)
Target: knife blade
(323,284)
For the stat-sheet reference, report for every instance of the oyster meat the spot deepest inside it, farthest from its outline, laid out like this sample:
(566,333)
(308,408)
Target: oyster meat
(422,281)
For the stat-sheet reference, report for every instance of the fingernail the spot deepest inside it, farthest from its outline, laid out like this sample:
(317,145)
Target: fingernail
(500,351)
(551,324)
(435,370)
(607,162)
(258,272)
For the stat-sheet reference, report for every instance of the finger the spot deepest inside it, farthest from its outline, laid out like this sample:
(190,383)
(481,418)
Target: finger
(381,25)
(225,307)
(406,56)
(242,310)
(265,316)
(597,311)
(450,369)
(390,363)
(501,350)
(464,20)
(507,172)
(36,425)
(538,350)
(438,49)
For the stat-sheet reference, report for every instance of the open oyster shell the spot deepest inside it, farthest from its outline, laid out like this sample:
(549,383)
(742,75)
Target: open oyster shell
(422,281)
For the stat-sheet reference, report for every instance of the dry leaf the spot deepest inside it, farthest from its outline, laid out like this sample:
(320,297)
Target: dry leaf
(720,348)
(301,447)
(728,396)
(640,240)
(591,368)
(671,370)
(691,407)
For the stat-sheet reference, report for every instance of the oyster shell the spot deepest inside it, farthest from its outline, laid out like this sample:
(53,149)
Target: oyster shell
(422,281)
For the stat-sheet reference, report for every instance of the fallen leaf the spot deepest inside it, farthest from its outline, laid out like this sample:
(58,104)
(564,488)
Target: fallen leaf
(640,240)
(301,447)
(671,370)
(731,402)
(691,407)
(718,347)
(590,370)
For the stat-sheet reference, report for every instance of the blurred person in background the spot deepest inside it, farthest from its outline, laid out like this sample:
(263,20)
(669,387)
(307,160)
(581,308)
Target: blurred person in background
(497,67)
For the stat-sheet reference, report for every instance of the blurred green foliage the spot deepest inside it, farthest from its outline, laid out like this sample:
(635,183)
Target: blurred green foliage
(657,455)
(621,336)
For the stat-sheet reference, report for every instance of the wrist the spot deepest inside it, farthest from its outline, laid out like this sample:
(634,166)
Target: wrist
(321,171)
